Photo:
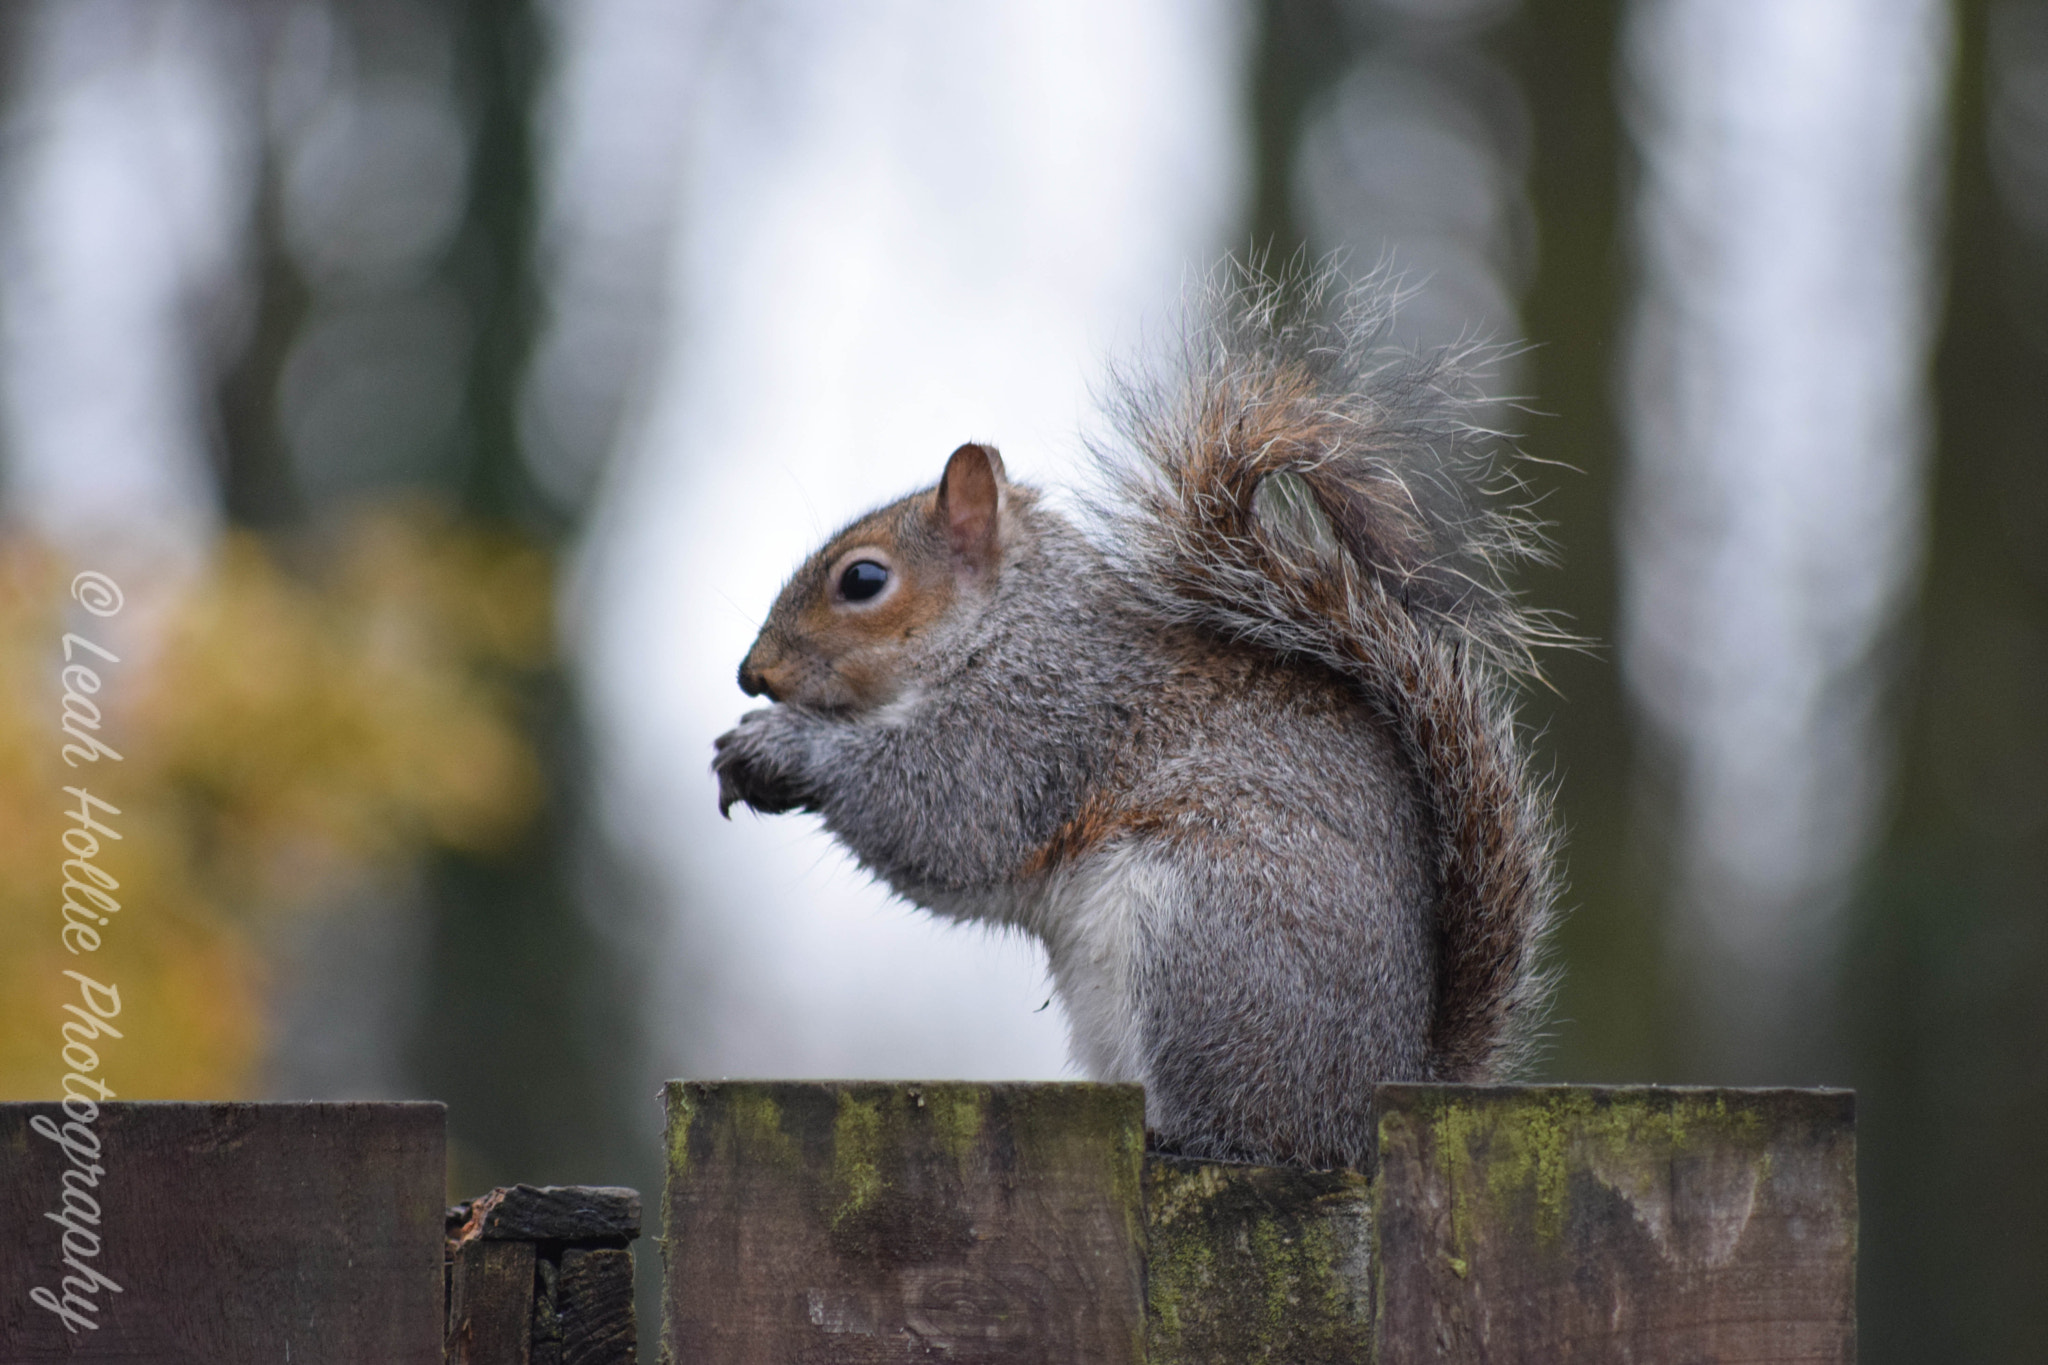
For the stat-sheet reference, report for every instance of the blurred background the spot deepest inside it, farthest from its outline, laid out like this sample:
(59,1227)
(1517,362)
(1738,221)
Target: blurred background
(450,384)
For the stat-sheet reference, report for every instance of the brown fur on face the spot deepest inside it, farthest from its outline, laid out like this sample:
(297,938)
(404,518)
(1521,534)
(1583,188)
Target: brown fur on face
(823,652)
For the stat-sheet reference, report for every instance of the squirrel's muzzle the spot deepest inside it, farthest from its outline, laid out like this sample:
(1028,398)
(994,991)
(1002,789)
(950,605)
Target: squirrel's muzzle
(757,670)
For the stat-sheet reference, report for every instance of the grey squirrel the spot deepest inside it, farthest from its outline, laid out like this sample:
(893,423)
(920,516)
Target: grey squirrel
(1238,744)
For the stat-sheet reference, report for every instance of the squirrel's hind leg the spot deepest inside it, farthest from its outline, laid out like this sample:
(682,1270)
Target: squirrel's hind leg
(1272,996)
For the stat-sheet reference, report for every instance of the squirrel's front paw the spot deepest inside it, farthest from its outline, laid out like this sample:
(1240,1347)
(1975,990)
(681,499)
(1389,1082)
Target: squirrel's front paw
(755,764)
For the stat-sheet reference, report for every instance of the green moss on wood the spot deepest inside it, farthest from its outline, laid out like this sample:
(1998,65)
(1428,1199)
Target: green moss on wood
(936,1218)
(736,1117)
(957,1113)
(1510,1154)
(681,1111)
(1717,1223)
(889,1166)
(1255,1264)
(856,1155)
(757,1126)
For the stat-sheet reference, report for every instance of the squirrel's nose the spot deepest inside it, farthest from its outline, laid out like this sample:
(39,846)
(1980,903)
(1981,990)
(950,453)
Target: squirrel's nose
(761,667)
(754,671)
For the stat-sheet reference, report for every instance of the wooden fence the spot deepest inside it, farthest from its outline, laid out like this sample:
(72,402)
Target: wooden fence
(999,1223)
(970,1223)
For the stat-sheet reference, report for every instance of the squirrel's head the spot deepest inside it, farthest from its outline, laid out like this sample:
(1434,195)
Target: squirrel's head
(851,625)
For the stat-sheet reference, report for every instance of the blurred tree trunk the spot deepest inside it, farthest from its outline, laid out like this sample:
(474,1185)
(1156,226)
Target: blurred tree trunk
(257,486)
(1612,1017)
(1298,49)
(494,259)
(1948,970)
(529,1026)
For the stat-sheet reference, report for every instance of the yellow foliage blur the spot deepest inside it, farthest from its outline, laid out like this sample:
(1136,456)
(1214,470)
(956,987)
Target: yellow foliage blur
(283,728)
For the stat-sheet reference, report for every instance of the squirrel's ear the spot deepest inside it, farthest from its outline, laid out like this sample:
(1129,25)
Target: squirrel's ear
(971,504)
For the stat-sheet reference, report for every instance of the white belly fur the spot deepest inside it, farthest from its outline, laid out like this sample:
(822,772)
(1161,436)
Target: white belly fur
(1091,917)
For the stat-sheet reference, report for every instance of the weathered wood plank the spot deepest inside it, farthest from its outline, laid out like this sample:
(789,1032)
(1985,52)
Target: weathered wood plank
(894,1222)
(490,1303)
(594,1306)
(237,1232)
(1255,1265)
(558,1287)
(546,1342)
(555,1213)
(1576,1224)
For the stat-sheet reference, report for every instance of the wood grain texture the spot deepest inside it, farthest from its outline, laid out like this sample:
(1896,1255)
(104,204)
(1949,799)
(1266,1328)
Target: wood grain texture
(564,1296)
(490,1304)
(545,1344)
(974,1223)
(1256,1265)
(594,1305)
(1576,1224)
(238,1233)
(555,1213)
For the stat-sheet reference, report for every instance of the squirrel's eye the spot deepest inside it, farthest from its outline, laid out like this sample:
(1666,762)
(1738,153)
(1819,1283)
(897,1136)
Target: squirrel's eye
(863,579)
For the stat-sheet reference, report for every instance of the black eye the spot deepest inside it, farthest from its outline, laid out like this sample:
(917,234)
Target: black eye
(863,579)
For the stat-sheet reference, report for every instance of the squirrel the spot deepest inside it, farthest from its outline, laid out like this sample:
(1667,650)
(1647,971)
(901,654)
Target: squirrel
(1237,741)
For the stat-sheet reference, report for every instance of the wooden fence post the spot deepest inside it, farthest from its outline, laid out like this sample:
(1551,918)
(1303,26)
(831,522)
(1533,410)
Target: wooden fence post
(543,1276)
(1256,1264)
(880,1222)
(874,1223)
(1561,1224)
(238,1233)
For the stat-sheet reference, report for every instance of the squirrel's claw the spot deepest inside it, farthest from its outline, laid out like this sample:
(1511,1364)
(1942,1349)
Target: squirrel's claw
(751,772)
(727,759)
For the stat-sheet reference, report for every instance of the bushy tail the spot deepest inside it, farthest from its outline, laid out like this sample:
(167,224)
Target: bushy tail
(1307,487)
